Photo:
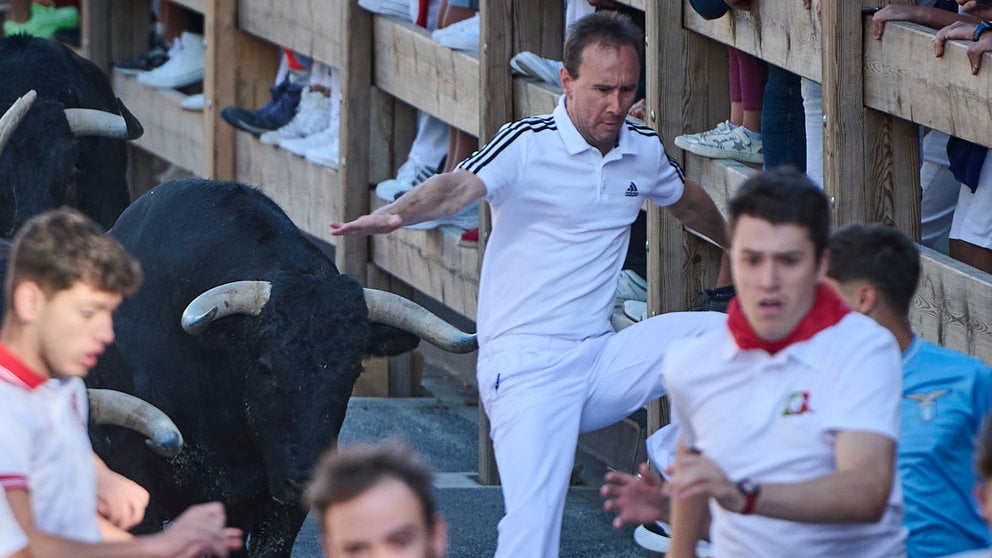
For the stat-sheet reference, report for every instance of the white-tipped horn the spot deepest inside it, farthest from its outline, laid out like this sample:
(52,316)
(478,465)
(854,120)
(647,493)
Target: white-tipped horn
(92,122)
(238,297)
(392,309)
(121,409)
(14,115)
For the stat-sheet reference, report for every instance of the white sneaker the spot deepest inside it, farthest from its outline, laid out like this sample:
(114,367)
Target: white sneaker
(722,128)
(657,538)
(387,7)
(631,286)
(325,155)
(185,65)
(312,115)
(461,35)
(193,102)
(300,146)
(529,64)
(734,144)
(409,175)
(466,219)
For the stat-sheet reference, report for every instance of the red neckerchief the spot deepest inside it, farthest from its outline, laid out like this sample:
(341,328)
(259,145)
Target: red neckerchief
(827,310)
(21,371)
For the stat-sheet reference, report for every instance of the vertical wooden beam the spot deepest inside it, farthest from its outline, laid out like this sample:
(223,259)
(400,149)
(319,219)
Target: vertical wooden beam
(94,32)
(219,86)
(892,167)
(356,104)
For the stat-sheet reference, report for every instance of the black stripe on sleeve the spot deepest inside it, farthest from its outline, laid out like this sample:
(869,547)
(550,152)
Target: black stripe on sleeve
(506,136)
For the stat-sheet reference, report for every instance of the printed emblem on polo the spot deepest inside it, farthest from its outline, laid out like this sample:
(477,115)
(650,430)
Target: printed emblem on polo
(631,190)
(797,403)
(928,402)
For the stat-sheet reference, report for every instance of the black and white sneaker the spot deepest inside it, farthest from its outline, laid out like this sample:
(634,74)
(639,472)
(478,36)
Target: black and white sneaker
(657,537)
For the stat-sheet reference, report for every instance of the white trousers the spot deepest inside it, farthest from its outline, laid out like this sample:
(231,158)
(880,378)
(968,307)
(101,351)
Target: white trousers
(541,392)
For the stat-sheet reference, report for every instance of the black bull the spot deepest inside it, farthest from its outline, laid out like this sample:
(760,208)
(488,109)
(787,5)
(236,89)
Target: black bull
(256,397)
(58,157)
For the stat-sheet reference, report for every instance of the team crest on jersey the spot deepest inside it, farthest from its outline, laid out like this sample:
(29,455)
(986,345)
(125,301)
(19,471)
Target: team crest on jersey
(631,191)
(927,403)
(797,403)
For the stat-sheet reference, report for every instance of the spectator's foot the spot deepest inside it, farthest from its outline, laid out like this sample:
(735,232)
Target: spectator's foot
(627,313)
(461,35)
(466,219)
(301,146)
(470,238)
(44,21)
(716,300)
(734,144)
(193,102)
(721,129)
(529,64)
(313,115)
(184,67)
(409,175)
(278,112)
(158,54)
(387,7)
(325,154)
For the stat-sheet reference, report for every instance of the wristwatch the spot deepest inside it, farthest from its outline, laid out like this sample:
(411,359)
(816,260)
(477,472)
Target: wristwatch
(982,27)
(751,490)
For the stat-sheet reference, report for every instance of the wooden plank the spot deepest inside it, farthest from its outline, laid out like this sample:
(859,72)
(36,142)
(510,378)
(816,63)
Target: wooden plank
(893,172)
(94,32)
(171,133)
(533,97)
(781,32)
(902,77)
(220,86)
(431,77)
(310,194)
(128,31)
(356,104)
(431,262)
(720,178)
(953,305)
(314,28)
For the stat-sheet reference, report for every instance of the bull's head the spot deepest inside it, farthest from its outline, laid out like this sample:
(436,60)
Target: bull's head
(303,356)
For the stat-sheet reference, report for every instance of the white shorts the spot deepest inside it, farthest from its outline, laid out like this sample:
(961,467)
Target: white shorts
(972,221)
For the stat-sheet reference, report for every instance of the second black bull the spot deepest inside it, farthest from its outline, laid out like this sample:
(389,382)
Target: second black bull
(258,372)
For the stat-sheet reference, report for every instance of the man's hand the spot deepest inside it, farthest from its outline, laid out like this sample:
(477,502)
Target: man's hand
(637,498)
(199,530)
(119,500)
(958,30)
(638,110)
(373,223)
(696,475)
(892,12)
(971,6)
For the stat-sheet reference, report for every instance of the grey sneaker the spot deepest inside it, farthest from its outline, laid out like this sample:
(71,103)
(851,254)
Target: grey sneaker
(734,144)
(722,128)
(529,64)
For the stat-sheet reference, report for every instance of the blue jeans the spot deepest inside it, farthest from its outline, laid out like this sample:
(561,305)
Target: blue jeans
(783,121)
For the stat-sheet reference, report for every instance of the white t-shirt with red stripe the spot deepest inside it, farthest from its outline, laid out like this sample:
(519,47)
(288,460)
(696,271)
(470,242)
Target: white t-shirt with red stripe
(45,449)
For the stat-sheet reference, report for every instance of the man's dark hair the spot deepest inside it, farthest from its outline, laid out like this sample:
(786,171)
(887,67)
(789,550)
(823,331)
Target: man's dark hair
(880,255)
(346,473)
(606,29)
(784,196)
(60,247)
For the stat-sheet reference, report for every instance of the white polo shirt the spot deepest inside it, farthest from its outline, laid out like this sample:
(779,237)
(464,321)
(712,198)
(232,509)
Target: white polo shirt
(12,539)
(45,449)
(773,418)
(561,223)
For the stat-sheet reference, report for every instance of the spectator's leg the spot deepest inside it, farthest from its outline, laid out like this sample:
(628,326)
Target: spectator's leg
(736,95)
(753,74)
(971,228)
(20,11)
(783,121)
(172,17)
(460,144)
(813,107)
(939,192)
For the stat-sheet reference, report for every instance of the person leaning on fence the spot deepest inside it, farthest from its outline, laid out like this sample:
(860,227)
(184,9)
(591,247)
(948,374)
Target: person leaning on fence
(64,280)
(783,434)
(946,394)
(564,189)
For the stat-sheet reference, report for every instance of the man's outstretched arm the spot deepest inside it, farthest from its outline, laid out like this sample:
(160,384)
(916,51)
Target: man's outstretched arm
(441,195)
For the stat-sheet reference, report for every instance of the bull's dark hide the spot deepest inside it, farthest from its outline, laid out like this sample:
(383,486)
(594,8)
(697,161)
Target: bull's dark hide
(256,398)
(44,165)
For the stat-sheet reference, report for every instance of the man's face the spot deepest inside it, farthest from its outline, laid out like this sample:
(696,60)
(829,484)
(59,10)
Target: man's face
(386,520)
(775,273)
(74,326)
(598,100)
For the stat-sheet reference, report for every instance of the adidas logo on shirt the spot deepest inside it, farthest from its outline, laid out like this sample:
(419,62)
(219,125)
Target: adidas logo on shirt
(631,191)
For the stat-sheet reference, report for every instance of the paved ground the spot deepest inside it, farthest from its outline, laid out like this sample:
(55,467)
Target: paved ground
(444,428)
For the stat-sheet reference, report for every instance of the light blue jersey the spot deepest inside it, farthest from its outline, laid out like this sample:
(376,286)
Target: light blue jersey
(946,394)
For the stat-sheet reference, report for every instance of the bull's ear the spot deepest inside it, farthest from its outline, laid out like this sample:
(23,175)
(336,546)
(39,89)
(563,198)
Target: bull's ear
(387,340)
(134,128)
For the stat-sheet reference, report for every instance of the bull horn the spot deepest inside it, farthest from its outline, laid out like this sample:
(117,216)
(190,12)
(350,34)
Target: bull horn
(238,297)
(121,409)
(14,115)
(92,122)
(392,309)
